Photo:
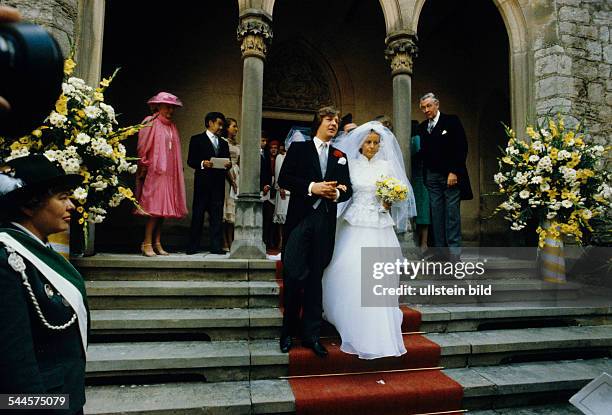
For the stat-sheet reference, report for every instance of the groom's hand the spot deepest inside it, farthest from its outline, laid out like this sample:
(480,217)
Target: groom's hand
(325,189)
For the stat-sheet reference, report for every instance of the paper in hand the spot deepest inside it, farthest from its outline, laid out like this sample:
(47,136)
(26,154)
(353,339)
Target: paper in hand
(219,162)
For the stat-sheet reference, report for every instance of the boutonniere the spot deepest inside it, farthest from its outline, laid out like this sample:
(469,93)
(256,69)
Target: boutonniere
(443,132)
(338,154)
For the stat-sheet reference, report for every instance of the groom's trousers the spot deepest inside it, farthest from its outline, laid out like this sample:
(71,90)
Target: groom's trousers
(308,251)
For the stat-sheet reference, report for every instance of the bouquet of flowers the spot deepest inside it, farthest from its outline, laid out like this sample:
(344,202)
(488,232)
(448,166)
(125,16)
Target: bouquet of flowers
(557,177)
(390,189)
(82,135)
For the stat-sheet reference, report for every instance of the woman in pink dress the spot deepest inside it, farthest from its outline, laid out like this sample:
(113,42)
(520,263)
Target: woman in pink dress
(160,186)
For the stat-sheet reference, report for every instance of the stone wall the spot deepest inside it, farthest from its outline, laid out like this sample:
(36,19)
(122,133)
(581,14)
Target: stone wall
(58,16)
(572,67)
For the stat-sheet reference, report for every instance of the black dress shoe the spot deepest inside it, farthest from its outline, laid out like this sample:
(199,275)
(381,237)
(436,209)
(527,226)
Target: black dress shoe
(218,252)
(316,347)
(285,344)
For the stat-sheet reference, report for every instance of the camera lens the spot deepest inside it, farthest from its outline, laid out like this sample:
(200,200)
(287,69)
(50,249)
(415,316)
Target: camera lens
(31,73)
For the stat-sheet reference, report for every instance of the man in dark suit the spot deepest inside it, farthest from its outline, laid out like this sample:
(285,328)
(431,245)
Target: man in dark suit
(317,176)
(444,151)
(208,184)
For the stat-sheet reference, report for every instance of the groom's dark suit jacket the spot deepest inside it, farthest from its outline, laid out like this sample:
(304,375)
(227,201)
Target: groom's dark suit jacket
(445,150)
(300,168)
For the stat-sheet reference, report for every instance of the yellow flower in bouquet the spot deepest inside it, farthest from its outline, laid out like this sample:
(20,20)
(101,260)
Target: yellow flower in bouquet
(390,189)
(556,177)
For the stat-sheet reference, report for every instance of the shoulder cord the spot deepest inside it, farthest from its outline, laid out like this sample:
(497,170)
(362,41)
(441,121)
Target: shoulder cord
(16,262)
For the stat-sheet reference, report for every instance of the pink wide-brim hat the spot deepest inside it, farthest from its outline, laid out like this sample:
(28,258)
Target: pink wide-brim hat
(165,98)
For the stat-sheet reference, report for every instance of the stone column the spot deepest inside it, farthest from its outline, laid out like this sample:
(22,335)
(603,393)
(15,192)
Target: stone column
(90,35)
(400,51)
(254,35)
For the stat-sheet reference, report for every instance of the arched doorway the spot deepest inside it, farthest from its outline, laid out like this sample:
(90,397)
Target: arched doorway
(189,49)
(464,59)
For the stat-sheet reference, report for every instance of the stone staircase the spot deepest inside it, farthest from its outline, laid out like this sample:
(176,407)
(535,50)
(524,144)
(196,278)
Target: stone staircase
(180,335)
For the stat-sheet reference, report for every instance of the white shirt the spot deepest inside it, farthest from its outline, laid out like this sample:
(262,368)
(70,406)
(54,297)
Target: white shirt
(434,121)
(214,140)
(319,146)
(27,231)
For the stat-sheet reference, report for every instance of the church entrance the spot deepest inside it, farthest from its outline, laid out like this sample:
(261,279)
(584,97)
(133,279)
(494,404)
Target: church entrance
(464,59)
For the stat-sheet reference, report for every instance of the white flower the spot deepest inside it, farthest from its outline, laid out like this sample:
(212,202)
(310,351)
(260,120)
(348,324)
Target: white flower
(587,214)
(545,163)
(82,138)
(551,215)
(68,89)
(57,119)
(537,146)
(80,193)
(499,178)
(534,158)
(524,194)
(21,152)
(516,226)
(133,168)
(110,111)
(520,178)
(564,154)
(99,185)
(506,206)
(536,180)
(71,165)
(566,203)
(545,187)
(92,112)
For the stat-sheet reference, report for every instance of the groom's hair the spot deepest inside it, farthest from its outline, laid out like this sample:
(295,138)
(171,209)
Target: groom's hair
(320,114)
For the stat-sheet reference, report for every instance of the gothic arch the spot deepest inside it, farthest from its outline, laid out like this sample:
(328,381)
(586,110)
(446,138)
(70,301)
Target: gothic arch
(521,90)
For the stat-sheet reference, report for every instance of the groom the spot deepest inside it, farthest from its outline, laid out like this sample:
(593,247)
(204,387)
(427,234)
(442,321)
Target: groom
(317,176)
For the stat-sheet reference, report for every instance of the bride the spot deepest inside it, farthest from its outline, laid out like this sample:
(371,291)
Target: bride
(369,332)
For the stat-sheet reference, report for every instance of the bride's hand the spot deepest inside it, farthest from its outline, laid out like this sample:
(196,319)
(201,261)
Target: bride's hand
(387,205)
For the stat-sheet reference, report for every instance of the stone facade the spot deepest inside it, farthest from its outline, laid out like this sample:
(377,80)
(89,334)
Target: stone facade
(572,67)
(58,16)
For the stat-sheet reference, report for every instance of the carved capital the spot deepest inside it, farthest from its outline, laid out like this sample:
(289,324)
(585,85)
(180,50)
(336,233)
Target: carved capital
(400,51)
(254,36)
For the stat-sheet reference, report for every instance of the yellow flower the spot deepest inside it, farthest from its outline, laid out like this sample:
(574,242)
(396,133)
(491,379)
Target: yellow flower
(125,192)
(98,96)
(532,133)
(507,160)
(561,123)
(16,146)
(81,221)
(553,153)
(79,209)
(553,128)
(69,65)
(25,140)
(105,82)
(61,105)
(37,133)
(85,215)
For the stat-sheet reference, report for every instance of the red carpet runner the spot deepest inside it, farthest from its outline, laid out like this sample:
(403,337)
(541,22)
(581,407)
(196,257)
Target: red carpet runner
(359,391)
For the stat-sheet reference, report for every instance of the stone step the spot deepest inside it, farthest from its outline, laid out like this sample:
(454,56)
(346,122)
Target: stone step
(501,291)
(113,267)
(549,409)
(448,318)
(526,383)
(214,324)
(211,361)
(495,347)
(242,360)
(104,295)
(215,398)
(484,387)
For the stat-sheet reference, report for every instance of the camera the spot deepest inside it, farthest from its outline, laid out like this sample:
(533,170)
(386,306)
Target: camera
(31,74)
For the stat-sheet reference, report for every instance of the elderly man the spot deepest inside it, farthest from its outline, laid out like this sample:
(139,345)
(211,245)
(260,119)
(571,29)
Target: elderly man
(444,151)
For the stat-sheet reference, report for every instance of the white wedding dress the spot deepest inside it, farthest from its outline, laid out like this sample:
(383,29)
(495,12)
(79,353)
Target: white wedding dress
(369,332)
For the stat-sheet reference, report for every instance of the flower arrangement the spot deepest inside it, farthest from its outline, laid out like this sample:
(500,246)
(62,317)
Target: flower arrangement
(557,177)
(390,189)
(81,134)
